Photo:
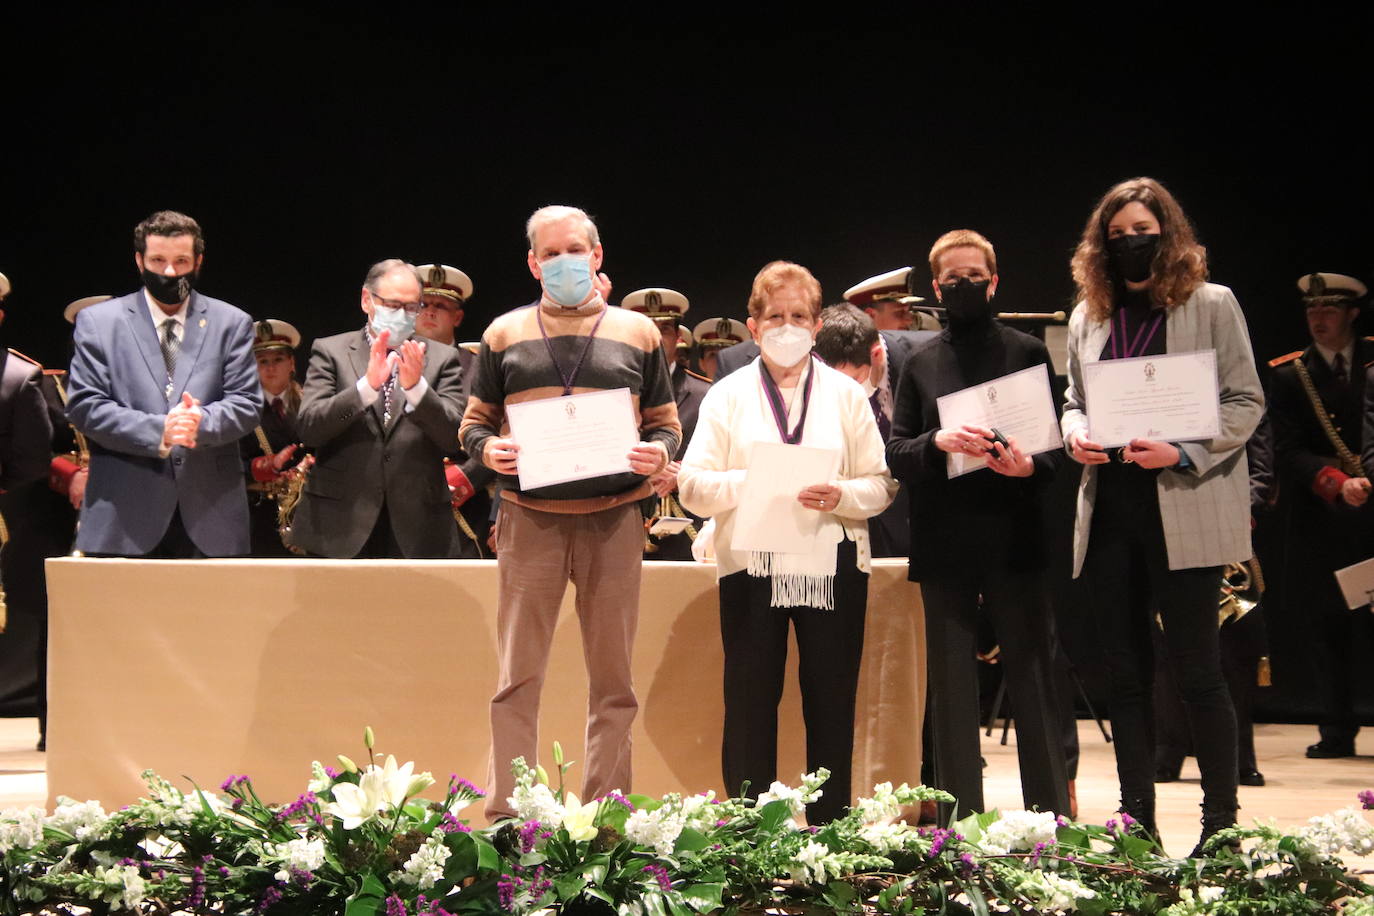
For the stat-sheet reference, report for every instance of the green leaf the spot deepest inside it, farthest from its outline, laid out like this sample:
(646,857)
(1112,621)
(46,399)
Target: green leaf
(1133,847)
(773,814)
(691,840)
(653,904)
(1072,836)
(599,894)
(703,897)
(367,901)
(569,886)
(530,859)
(488,859)
(839,895)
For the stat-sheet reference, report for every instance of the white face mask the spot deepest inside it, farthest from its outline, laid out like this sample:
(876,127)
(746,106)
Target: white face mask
(869,387)
(787,345)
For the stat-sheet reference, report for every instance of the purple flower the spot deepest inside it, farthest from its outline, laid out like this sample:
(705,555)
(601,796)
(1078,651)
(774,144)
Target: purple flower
(967,860)
(269,898)
(1038,852)
(1367,799)
(615,796)
(395,906)
(233,784)
(506,888)
(302,877)
(1113,827)
(456,785)
(197,896)
(298,807)
(1127,821)
(451,824)
(530,833)
(939,837)
(331,772)
(659,874)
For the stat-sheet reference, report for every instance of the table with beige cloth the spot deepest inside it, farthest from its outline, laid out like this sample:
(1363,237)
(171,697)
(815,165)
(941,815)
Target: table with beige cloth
(202,669)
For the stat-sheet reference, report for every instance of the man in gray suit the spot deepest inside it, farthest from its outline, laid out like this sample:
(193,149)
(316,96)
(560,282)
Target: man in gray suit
(163,385)
(381,410)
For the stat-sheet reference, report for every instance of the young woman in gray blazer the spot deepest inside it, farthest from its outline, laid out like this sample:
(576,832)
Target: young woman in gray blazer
(1157,520)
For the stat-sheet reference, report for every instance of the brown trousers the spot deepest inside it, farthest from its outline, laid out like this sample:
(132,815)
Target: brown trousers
(537,554)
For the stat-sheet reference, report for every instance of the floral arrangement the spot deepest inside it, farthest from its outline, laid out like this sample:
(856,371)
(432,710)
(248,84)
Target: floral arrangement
(363,842)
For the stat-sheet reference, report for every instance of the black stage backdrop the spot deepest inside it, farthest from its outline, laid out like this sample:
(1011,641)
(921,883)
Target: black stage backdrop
(310,142)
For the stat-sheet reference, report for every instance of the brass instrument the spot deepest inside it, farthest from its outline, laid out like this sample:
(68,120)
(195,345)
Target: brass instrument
(285,491)
(1242,585)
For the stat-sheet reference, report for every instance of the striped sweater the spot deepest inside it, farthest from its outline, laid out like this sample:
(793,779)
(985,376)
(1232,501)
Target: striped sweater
(514,366)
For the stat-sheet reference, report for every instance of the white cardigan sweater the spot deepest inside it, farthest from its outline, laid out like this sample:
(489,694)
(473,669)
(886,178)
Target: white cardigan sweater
(735,414)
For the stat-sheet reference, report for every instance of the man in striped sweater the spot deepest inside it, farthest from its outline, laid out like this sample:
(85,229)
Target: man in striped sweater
(590,531)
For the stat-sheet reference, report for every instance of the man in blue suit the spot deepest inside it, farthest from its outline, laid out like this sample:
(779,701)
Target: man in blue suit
(163,385)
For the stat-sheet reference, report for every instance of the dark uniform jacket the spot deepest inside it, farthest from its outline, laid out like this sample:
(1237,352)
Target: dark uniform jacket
(1306,454)
(956,524)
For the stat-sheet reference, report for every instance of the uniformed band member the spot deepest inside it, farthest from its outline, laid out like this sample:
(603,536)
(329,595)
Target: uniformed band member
(1317,399)
(25,436)
(445,295)
(71,454)
(887,298)
(715,335)
(667,307)
(270,452)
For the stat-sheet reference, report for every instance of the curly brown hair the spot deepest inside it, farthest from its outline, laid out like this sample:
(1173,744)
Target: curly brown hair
(1180,264)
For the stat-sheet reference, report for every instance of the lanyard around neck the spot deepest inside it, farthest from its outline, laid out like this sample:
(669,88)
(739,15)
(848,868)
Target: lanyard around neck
(568,377)
(1142,340)
(774,397)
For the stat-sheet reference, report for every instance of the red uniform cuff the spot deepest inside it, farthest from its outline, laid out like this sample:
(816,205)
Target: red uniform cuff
(1327,483)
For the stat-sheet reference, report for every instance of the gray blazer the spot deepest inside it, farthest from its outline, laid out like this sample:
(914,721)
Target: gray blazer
(1206,508)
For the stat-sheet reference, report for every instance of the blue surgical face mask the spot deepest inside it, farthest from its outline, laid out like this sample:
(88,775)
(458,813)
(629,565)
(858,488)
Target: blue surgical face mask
(567,278)
(399,322)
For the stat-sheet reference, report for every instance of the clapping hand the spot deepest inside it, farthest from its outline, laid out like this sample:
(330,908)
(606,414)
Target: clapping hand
(412,355)
(379,361)
(182,423)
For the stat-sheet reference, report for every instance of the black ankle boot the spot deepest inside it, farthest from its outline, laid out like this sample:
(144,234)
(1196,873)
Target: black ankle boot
(1215,818)
(1142,811)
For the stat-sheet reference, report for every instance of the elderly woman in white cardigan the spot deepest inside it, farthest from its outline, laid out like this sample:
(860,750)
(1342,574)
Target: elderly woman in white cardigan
(1158,520)
(787,396)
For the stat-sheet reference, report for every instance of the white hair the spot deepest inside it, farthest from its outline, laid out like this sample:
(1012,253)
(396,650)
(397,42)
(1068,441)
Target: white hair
(556,213)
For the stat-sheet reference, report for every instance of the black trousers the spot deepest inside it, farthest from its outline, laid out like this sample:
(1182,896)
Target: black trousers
(1240,657)
(1128,575)
(830,648)
(1015,602)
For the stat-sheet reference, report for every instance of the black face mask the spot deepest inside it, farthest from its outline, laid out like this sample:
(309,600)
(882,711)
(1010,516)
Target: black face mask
(169,290)
(1132,255)
(966,302)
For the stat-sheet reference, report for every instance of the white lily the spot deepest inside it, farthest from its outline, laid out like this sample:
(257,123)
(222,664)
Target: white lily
(579,819)
(379,788)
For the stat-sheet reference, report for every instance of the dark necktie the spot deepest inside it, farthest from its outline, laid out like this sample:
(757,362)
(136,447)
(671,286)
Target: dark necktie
(884,424)
(1338,369)
(279,408)
(170,347)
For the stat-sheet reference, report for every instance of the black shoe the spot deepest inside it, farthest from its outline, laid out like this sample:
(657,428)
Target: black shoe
(1214,820)
(1329,750)
(1251,778)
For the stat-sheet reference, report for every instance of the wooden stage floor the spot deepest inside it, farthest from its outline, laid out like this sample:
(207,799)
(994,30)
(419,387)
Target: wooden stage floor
(1297,787)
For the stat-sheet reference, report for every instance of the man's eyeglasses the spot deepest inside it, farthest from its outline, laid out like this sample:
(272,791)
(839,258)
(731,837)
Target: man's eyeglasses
(410,308)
